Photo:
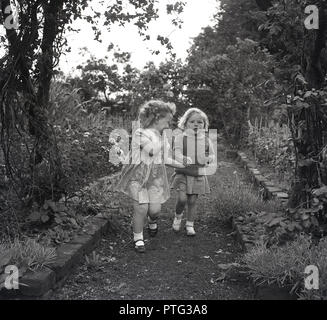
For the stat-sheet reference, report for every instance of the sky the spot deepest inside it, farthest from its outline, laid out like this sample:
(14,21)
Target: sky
(197,15)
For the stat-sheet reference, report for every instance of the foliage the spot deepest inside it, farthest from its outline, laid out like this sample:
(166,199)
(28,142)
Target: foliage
(31,53)
(297,64)
(83,138)
(282,265)
(104,77)
(25,254)
(276,227)
(238,198)
(309,137)
(284,33)
(272,144)
(165,82)
(233,86)
(83,141)
(281,225)
(285,265)
(125,88)
(102,192)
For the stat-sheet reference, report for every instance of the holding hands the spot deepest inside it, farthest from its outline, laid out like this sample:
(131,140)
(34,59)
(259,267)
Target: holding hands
(187,161)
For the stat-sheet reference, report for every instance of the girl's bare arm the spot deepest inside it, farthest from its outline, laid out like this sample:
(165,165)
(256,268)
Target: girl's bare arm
(173,163)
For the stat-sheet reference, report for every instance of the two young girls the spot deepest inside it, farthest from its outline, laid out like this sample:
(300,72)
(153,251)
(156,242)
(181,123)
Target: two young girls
(145,180)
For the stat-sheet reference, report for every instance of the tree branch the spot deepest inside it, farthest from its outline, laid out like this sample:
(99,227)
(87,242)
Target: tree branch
(50,30)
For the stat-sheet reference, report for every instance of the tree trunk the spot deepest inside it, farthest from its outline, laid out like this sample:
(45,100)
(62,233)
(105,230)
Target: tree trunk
(45,65)
(311,142)
(35,102)
(315,54)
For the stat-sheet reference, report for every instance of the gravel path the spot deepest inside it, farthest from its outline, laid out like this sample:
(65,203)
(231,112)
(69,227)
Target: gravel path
(174,265)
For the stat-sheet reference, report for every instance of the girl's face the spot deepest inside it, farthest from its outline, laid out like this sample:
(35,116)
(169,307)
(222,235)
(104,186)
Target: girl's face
(195,122)
(163,123)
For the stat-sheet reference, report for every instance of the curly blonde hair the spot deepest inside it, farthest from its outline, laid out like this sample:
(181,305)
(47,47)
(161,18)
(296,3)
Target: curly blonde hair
(188,114)
(153,110)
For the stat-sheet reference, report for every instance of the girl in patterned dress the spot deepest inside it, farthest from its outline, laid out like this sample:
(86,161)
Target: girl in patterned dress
(144,178)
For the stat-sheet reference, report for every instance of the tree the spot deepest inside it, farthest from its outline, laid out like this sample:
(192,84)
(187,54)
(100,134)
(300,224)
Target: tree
(31,53)
(302,53)
(232,87)
(103,75)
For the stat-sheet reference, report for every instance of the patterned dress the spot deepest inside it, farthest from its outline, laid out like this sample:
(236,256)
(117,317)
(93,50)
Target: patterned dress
(144,178)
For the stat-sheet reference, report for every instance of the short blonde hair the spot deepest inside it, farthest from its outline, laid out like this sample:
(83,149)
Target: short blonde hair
(187,115)
(154,110)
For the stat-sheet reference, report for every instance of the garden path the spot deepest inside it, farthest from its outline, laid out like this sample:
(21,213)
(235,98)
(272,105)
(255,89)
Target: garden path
(174,266)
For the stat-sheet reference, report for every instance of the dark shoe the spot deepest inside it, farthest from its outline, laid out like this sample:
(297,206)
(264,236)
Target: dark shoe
(152,232)
(139,248)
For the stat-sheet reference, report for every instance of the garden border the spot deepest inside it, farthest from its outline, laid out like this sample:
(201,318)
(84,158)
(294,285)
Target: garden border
(266,188)
(268,191)
(42,283)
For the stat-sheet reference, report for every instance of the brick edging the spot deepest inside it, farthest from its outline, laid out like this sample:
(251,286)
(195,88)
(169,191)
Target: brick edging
(269,191)
(41,283)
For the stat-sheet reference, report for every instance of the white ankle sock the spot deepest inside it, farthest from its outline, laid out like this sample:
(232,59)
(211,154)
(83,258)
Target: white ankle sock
(189,224)
(138,236)
(190,228)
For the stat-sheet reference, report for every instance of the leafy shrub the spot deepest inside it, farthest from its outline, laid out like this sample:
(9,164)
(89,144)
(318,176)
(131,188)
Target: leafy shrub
(272,144)
(312,220)
(83,137)
(232,86)
(55,222)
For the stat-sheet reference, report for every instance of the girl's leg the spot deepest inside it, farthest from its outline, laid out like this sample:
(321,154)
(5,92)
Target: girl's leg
(181,202)
(180,206)
(140,212)
(191,213)
(154,210)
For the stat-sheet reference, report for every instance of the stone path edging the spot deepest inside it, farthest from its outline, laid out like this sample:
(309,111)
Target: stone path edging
(41,283)
(269,191)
